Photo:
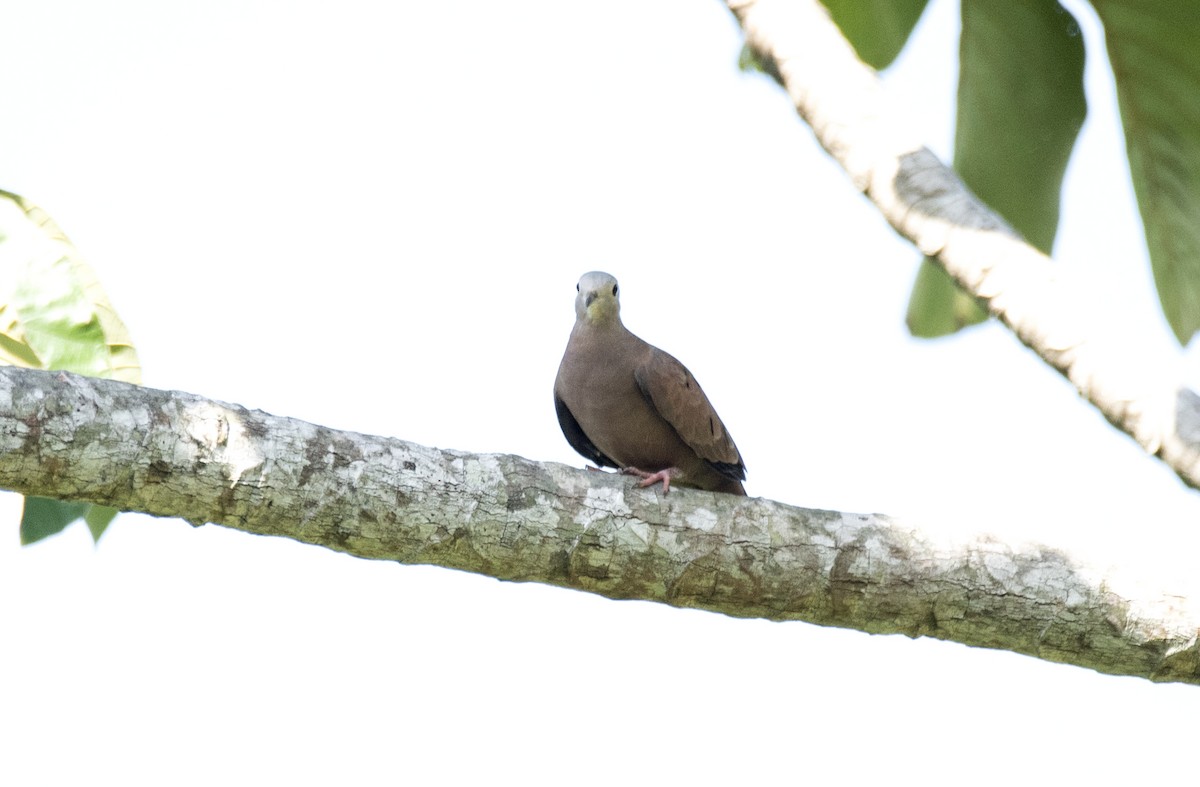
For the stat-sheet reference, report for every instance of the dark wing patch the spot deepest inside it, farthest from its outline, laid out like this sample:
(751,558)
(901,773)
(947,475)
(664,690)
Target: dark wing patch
(678,398)
(736,472)
(576,437)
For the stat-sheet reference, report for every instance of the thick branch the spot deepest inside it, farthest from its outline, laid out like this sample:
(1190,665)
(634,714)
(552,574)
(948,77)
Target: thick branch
(842,100)
(174,454)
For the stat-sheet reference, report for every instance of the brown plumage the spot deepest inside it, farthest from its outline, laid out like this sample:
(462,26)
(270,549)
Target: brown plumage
(627,404)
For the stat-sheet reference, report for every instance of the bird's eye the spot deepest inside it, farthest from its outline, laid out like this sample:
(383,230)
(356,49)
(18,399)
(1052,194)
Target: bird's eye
(576,288)
(614,289)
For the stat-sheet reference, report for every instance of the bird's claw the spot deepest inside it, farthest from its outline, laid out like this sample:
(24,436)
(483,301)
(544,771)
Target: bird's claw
(650,479)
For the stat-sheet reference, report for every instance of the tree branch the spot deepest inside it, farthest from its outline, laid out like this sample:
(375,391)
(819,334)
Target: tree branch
(1137,389)
(168,453)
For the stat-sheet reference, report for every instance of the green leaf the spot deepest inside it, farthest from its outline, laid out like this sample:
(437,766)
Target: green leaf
(878,29)
(55,315)
(44,517)
(939,307)
(1155,54)
(749,61)
(1020,108)
(98,518)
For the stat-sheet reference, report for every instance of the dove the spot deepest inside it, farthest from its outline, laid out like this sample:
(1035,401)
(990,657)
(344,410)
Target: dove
(624,403)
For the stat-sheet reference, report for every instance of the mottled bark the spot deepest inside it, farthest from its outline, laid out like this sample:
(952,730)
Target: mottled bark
(1137,387)
(175,454)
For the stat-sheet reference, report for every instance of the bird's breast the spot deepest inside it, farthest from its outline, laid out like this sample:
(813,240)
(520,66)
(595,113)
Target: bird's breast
(601,391)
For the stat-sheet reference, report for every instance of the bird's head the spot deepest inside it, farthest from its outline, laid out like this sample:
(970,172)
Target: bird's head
(597,301)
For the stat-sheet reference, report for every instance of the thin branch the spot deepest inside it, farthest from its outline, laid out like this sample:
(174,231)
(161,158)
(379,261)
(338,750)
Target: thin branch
(1138,391)
(168,453)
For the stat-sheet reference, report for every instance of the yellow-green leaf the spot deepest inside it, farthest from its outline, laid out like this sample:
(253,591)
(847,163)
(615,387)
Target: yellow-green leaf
(53,312)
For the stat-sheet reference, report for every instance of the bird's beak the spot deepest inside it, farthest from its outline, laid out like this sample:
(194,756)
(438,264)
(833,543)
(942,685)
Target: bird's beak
(587,300)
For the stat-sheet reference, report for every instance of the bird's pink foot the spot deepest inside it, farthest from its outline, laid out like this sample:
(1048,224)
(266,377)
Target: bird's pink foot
(650,479)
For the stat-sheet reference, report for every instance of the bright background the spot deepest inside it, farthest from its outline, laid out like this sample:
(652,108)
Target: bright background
(374,219)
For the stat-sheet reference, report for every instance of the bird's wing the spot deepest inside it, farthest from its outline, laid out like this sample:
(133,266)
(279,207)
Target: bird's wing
(576,437)
(671,389)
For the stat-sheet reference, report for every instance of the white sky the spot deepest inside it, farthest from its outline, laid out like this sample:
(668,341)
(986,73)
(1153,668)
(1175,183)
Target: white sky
(374,220)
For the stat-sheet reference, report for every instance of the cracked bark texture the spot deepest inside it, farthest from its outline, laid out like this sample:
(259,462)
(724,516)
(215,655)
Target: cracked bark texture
(1139,389)
(168,453)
